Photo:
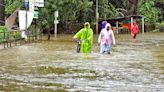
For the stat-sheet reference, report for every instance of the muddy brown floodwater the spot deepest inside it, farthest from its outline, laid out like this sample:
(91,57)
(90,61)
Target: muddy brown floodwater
(54,66)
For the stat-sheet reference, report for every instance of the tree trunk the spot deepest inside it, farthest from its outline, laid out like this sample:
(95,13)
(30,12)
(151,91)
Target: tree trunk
(135,7)
(2,12)
(49,34)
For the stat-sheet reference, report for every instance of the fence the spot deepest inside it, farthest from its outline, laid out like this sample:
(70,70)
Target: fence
(13,38)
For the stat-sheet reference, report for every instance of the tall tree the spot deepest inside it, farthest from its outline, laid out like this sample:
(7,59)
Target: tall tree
(147,8)
(69,10)
(11,6)
(134,6)
(160,5)
(2,12)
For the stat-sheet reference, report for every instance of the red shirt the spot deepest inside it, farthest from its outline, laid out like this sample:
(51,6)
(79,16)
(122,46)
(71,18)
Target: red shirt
(134,29)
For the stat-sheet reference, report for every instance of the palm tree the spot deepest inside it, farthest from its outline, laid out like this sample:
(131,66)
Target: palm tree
(2,12)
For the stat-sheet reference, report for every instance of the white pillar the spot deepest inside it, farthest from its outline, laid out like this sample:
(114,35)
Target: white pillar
(131,21)
(55,27)
(55,30)
(56,14)
(117,27)
(97,16)
(143,23)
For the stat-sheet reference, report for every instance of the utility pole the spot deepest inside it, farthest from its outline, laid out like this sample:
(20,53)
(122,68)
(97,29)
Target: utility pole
(26,22)
(2,12)
(56,15)
(97,16)
(105,9)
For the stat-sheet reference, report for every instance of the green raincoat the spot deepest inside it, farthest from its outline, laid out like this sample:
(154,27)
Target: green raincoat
(86,37)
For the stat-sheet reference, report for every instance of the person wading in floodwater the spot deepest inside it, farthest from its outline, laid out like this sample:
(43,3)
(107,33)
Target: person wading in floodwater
(134,31)
(85,36)
(106,39)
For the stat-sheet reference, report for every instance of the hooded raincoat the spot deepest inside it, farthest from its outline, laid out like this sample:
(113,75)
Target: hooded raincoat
(106,39)
(86,37)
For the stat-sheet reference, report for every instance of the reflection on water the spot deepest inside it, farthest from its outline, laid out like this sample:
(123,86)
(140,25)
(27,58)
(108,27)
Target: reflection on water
(55,66)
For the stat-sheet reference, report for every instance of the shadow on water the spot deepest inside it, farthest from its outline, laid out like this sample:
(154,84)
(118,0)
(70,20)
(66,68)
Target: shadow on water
(55,66)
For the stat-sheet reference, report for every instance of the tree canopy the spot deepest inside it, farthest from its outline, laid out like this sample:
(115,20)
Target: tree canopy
(79,11)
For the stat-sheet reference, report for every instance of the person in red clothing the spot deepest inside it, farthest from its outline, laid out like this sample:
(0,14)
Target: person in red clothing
(134,30)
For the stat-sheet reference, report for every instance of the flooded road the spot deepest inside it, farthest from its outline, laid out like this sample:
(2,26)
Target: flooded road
(54,66)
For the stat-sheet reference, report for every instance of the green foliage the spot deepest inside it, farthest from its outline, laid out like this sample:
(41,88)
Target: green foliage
(72,9)
(79,11)
(115,12)
(11,6)
(159,27)
(69,10)
(2,28)
(150,11)
(5,34)
(110,9)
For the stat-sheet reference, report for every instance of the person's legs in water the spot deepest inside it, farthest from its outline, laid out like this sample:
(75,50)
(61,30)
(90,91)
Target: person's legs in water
(102,48)
(108,49)
(134,38)
(105,48)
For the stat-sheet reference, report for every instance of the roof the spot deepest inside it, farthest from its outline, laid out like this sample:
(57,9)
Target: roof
(120,19)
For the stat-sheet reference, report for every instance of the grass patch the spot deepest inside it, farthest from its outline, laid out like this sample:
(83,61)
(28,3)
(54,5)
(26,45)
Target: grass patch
(48,84)
(82,71)
(46,70)
(86,77)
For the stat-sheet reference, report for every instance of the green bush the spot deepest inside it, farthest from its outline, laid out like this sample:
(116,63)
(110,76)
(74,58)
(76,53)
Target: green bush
(2,30)
(15,35)
(10,35)
(159,27)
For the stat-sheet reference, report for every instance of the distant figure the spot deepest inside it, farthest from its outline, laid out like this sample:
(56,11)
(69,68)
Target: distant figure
(106,39)
(103,24)
(85,35)
(134,30)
